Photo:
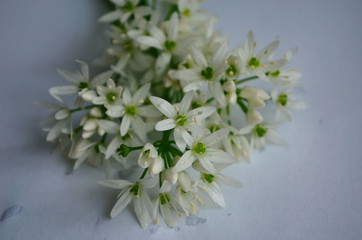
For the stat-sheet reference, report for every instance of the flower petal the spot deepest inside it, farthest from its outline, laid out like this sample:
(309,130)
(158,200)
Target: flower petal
(216,137)
(184,162)
(122,202)
(164,107)
(126,122)
(165,125)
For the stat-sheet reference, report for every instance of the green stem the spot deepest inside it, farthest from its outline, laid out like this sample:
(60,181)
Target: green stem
(246,79)
(144,173)
(242,105)
(172,9)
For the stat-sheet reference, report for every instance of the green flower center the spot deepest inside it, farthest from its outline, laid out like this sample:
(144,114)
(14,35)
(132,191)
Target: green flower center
(209,178)
(131,110)
(254,62)
(199,148)
(196,105)
(129,6)
(111,97)
(135,189)
(126,137)
(187,12)
(283,99)
(207,73)
(231,71)
(181,120)
(260,131)
(164,198)
(275,74)
(128,46)
(170,45)
(83,85)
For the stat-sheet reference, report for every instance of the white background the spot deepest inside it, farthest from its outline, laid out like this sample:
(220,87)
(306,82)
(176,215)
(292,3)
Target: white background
(312,190)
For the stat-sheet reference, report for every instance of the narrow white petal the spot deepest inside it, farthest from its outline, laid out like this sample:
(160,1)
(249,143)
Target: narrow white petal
(198,57)
(167,215)
(142,213)
(115,183)
(205,162)
(126,97)
(188,138)
(229,181)
(180,142)
(122,202)
(164,107)
(221,157)
(165,125)
(186,102)
(184,162)
(173,27)
(126,122)
(62,114)
(112,147)
(108,126)
(115,111)
(141,94)
(150,41)
(216,137)
(110,17)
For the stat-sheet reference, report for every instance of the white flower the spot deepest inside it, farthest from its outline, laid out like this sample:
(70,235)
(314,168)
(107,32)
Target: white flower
(131,111)
(209,184)
(201,149)
(285,104)
(81,84)
(262,134)
(237,145)
(149,158)
(205,71)
(258,63)
(127,8)
(188,201)
(256,96)
(132,192)
(109,95)
(180,118)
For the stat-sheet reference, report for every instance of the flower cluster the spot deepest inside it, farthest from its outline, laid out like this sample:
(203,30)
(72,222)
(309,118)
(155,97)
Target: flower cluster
(168,94)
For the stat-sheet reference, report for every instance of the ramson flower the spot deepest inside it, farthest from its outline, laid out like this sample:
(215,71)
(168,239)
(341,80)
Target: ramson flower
(108,95)
(81,85)
(206,71)
(132,192)
(180,118)
(258,63)
(126,9)
(201,149)
(210,184)
(285,104)
(150,159)
(132,111)
(237,145)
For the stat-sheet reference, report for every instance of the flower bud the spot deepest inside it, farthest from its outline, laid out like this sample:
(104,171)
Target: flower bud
(254,117)
(78,148)
(229,86)
(156,166)
(231,97)
(147,156)
(89,95)
(184,181)
(62,114)
(90,124)
(169,176)
(95,112)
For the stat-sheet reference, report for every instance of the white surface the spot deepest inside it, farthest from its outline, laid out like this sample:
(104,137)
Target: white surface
(310,191)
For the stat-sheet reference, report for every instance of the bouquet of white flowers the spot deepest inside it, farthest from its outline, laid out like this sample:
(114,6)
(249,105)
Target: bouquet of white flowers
(171,87)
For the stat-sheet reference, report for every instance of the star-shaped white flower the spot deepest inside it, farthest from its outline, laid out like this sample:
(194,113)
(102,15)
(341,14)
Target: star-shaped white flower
(201,149)
(180,118)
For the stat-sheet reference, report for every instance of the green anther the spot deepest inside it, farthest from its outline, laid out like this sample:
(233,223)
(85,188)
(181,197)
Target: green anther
(187,12)
(170,45)
(260,131)
(129,6)
(208,177)
(275,74)
(111,97)
(207,73)
(135,189)
(83,85)
(123,150)
(254,62)
(214,128)
(231,71)
(131,110)
(181,120)
(199,148)
(164,198)
(283,99)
